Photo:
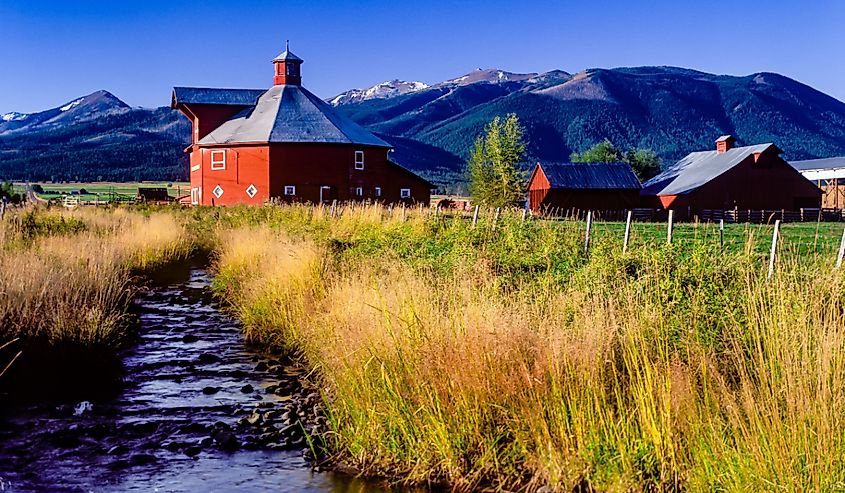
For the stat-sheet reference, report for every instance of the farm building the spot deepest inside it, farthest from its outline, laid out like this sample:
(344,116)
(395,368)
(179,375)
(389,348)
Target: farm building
(829,175)
(751,177)
(284,143)
(583,186)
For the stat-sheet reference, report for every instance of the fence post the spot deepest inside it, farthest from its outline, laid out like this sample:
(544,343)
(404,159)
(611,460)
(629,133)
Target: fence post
(841,251)
(587,233)
(722,234)
(524,212)
(331,212)
(475,216)
(669,227)
(627,231)
(773,252)
(403,212)
(496,217)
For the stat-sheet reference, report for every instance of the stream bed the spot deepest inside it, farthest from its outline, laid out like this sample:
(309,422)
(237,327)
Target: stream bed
(197,411)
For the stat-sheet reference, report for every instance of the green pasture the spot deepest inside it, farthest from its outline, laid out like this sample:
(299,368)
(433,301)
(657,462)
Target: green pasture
(105,190)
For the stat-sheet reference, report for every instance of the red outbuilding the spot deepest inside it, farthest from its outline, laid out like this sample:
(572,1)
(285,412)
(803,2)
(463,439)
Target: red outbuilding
(253,145)
(559,187)
(751,177)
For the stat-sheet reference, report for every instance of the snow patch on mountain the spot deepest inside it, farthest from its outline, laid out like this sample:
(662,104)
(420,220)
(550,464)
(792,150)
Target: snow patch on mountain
(386,89)
(71,104)
(490,76)
(13,116)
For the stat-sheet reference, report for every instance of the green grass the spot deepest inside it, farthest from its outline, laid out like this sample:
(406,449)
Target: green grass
(106,189)
(511,359)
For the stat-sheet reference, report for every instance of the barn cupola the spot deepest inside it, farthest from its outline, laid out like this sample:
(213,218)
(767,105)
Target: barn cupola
(286,68)
(725,143)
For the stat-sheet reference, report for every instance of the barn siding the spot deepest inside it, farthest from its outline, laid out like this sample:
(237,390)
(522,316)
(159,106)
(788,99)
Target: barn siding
(769,183)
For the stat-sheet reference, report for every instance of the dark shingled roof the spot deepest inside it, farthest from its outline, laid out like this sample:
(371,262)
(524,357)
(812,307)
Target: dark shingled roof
(203,95)
(698,168)
(607,176)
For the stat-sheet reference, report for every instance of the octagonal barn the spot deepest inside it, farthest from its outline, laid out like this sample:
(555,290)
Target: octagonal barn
(284,143)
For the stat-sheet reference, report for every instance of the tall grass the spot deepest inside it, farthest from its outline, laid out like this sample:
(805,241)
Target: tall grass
(509,359)
(66,277)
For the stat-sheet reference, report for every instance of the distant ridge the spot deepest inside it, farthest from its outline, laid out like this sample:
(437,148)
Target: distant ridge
(669,109)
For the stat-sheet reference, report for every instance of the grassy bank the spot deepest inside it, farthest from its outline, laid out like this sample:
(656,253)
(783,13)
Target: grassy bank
(66,277)
(509,358)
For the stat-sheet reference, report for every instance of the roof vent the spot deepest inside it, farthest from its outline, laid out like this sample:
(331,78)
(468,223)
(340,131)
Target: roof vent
(725,143)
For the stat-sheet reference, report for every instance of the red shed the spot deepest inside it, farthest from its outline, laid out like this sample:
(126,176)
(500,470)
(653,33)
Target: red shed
(585,186)
(751,177)
(285,143)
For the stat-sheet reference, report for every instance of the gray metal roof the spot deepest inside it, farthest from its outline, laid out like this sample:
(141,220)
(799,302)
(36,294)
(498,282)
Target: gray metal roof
(289,113)
(725,137)
(819,164)
(608,176)
(698,168)
(204,95)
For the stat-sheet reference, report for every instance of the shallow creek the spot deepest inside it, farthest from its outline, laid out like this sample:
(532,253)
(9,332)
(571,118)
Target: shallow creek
(182,421)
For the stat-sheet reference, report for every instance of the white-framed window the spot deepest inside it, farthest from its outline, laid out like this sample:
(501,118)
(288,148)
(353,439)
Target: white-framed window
(405,193)
(359,191)
(378,191)
(251,191)
(218,191)
(218,160)
(359,159)
(195,196)
(290,190)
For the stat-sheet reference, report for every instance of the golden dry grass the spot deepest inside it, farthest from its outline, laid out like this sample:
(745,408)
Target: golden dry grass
(65,284)
(645,371)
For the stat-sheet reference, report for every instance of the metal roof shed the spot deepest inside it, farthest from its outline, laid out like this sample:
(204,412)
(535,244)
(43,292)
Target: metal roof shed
(584,186)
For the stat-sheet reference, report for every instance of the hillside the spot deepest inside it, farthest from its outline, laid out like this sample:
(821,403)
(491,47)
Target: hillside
(671,110)
(94,138)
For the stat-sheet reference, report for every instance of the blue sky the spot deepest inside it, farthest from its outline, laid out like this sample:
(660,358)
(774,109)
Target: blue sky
(51,52)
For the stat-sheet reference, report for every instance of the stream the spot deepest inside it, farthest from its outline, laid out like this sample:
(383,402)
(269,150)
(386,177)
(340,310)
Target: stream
(197,411)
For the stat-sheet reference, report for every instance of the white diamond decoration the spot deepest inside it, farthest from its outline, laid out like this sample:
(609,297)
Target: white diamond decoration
(251,191)
(218,191)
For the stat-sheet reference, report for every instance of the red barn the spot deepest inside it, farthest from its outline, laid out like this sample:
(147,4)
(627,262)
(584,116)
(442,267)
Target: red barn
(584,186)
(253,145)
(751,177)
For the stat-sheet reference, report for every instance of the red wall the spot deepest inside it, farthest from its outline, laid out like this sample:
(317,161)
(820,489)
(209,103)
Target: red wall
(308,167)
(538,188)
(245,166)
(767,183)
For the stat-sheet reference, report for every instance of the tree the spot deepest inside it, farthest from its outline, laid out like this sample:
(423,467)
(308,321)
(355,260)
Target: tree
(644,162)
(603,152)
(495,176)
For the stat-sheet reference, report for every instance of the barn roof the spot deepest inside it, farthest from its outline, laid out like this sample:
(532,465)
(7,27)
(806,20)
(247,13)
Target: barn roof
(608,176)
(204,95)
(821,169)
(290,113)
(698,168)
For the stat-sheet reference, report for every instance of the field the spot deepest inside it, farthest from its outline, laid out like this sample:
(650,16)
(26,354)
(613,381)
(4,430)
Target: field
(105,190)
(503,355)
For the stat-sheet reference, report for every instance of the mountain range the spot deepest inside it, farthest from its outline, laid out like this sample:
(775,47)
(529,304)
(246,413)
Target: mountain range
(432,126)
